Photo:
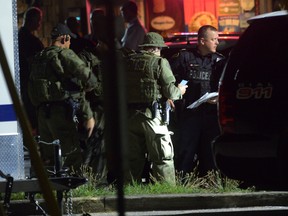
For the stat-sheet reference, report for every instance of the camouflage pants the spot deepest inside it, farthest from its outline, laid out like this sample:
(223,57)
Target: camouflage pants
(95,150)
(147,135)
(54,123)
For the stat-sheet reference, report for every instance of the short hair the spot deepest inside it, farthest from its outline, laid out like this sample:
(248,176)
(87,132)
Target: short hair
(202,32)
(131,6)
(31,13)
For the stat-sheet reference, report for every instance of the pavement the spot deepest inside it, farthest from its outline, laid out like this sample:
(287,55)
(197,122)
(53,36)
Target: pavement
(177,204)
(171,202)
(249,211)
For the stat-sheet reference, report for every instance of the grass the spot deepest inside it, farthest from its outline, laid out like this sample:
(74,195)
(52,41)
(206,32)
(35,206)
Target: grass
(191,183)
(213,182)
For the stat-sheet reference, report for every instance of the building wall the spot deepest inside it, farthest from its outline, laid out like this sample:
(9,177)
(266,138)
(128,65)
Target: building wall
(55,11)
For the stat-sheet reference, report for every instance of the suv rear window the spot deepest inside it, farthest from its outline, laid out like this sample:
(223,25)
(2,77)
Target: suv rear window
(257,51)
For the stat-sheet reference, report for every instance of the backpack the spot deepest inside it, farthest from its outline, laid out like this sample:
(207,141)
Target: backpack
(45,83)
(93,62)
(142,75)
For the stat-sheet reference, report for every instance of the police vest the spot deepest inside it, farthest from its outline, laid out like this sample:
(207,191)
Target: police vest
(142,75)
(200,71)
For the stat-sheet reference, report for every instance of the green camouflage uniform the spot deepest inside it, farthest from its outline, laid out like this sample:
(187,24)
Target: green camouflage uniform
(149,80)
(94,147)
(56,86)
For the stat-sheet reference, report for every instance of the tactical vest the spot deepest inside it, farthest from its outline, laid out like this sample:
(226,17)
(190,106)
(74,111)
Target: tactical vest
(142,75)
(45,81)
(199,70)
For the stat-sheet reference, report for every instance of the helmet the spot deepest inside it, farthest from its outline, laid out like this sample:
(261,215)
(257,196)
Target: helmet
(153,39)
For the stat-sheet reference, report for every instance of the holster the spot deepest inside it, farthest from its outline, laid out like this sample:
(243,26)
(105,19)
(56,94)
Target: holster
(165,112)
(155,109)
(74,106)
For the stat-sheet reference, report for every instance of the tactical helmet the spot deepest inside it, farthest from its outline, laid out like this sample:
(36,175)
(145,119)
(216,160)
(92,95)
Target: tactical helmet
(153,39)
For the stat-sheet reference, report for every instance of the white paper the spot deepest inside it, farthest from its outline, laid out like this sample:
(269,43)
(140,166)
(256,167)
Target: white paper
(203,99)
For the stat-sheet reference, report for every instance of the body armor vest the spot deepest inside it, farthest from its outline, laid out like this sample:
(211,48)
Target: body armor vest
(142,76)
(46,82)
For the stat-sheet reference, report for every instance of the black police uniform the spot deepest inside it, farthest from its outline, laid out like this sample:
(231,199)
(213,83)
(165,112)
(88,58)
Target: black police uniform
(196,128)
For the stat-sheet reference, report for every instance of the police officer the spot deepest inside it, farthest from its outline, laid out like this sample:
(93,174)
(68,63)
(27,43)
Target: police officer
(150,80)
(58,81)
(197,127)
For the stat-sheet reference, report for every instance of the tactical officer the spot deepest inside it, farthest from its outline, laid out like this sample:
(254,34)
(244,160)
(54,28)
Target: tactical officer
(150,81)
(197,127)
(94,146)
(58,81)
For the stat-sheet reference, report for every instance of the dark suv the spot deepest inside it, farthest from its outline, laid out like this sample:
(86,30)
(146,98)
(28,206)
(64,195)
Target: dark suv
(253,105)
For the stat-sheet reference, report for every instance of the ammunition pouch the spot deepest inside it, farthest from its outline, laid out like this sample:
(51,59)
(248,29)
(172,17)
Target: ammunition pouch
(43,90)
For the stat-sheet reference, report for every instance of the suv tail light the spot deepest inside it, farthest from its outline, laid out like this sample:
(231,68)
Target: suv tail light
(226,109)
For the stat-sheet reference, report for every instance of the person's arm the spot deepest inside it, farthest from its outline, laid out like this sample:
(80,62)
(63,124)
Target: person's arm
(167,82)
(134,36)
(77,68)
(86,115)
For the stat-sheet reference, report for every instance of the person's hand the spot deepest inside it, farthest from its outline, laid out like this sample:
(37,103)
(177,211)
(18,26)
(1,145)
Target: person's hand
(182,88)
(172,105)
(89,125)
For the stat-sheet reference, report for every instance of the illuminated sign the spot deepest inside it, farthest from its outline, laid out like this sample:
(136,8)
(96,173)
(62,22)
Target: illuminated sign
(163,23)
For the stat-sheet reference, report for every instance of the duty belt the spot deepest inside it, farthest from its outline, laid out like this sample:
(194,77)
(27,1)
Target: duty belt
(71,109)
(53,103)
